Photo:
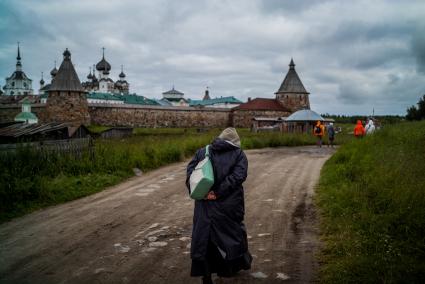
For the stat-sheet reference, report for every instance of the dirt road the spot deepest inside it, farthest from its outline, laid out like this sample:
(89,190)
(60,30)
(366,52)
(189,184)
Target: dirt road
(139,231)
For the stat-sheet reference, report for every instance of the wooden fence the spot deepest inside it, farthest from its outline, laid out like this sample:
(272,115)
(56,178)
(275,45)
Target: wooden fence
(75,147)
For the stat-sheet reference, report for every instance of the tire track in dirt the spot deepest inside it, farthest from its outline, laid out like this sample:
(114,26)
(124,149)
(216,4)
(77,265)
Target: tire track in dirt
(139,231)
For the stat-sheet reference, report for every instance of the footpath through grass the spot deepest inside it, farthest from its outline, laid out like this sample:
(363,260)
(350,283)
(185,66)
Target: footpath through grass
(372,201)
(30,180)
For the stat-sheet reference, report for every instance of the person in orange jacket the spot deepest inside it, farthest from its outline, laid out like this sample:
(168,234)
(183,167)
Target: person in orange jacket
(359,130)
(319,131)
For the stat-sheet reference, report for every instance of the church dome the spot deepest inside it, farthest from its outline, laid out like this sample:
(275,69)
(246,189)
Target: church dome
(122,75)
(90,76)
(54,72)
(66,54)
(41,81)
(103,65)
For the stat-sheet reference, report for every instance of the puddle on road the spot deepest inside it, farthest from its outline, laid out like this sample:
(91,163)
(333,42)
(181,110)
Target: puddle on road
(168,177)
(121,248)
(152,239)
(99,270)
(158,244)
(154,232)
(154,225)
(259,275)
(150,249)
(147,190)
(282,276)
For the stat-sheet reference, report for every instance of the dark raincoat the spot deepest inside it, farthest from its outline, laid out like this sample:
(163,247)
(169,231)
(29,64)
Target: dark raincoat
(220,222)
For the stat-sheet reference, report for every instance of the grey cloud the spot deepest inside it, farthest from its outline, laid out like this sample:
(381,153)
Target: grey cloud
(418,48)
(352,93)
(276,6)
(16,23)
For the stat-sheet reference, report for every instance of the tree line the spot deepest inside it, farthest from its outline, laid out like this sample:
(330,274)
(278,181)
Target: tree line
(417,113)
(386,119)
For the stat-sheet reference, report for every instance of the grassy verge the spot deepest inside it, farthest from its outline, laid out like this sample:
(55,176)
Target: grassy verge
(30,180)
(372,200)
(98,128)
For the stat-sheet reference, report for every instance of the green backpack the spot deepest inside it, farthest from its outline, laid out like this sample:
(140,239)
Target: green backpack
(202,178)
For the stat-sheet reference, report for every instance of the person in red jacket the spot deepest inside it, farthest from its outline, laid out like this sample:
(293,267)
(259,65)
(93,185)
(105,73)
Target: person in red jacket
(319,131)
(359,130)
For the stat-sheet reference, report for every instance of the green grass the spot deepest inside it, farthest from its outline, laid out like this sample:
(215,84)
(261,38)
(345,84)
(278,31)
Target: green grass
(164,131)
(372,201)
(98,128)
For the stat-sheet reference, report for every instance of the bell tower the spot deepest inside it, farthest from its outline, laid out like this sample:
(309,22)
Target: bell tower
(67,99)
(292,93)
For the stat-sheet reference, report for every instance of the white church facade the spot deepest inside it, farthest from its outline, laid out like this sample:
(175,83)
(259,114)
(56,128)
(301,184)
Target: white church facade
(18,83)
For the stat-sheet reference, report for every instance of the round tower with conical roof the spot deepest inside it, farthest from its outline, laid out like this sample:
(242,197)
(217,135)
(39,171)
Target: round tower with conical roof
(292,93)
(67,99)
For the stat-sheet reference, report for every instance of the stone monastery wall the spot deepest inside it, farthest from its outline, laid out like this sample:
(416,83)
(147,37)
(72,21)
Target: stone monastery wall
(8,112)
(153,116)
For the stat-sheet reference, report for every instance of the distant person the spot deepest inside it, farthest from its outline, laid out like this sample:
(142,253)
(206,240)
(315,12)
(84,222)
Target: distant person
(359,130)
(331,134)
(219,238)
(319,131)
(370,127)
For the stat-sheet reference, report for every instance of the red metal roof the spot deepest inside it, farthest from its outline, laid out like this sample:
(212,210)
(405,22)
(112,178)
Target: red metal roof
(261,104)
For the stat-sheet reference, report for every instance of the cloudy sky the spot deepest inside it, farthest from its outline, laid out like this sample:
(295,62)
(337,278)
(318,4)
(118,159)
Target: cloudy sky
(352,56)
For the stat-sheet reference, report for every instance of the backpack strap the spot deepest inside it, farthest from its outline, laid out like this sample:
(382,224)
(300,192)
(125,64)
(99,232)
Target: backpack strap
(207,153)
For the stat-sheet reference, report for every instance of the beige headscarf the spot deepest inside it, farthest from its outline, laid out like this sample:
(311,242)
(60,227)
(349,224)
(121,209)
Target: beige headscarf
(230,135)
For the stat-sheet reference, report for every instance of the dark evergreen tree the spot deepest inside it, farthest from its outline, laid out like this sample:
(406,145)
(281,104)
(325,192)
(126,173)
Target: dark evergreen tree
(417,113)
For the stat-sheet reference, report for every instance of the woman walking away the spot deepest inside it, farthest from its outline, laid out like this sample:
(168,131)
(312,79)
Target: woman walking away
(331,134)
(359,131)
(219,238)
(319,131)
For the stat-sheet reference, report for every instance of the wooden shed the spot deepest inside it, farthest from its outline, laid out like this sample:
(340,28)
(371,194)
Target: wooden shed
(301,121)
